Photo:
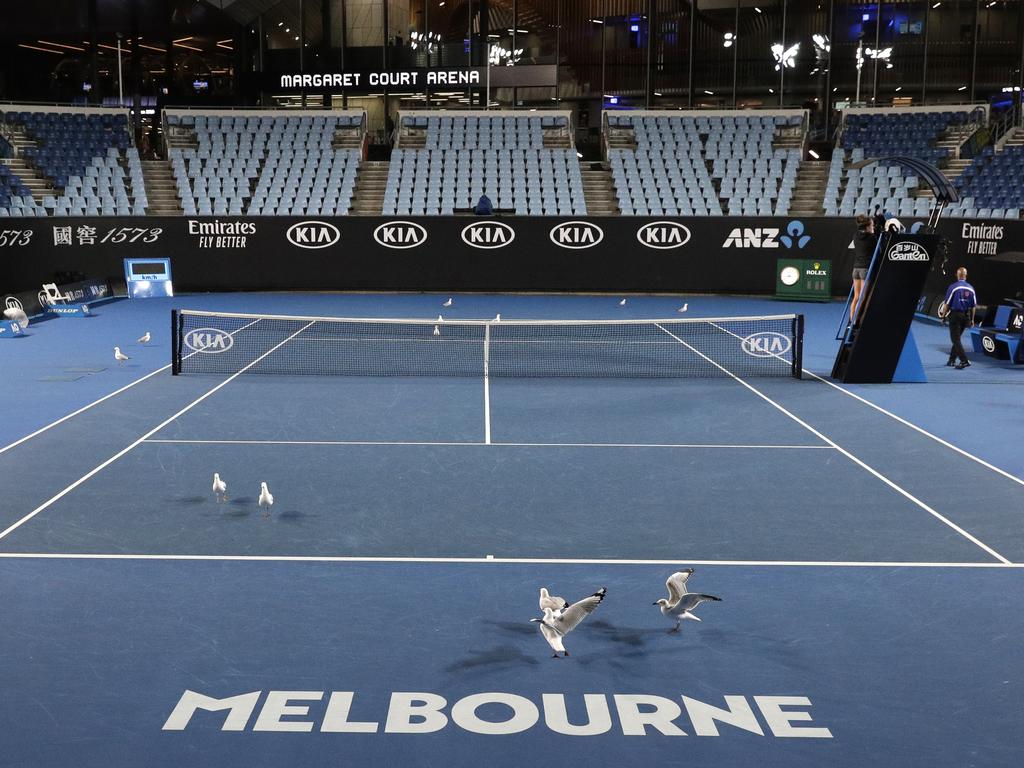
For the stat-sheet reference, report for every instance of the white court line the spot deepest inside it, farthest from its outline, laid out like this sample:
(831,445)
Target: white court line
(142,439)
(500,445)
(84,408)
(903,492)
(924,432)
(900,419)
(505,560)
(487,384)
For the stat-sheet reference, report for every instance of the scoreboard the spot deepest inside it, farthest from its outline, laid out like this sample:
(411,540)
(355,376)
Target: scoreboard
(803,280)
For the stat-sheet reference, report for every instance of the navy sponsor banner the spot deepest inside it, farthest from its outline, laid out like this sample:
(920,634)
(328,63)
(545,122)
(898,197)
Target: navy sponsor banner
(612,254)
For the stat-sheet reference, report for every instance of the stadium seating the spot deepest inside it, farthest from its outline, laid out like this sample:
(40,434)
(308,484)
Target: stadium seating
(83,156)
(503,157)
(265,165)
(851,191)
(688,165)
(994,182)
(874,186)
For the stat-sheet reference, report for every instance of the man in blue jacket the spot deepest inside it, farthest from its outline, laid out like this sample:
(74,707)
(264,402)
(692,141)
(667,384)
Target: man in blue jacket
(960,305)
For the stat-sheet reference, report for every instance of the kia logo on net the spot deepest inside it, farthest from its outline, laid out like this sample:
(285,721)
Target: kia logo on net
(766,344)
(663,235)
(209,341)
(400,234)
(576,234)
(488,234)
(313,234)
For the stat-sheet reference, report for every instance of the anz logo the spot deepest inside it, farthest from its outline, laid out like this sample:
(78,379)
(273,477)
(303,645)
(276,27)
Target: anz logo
(576,234)
(663,235)
(209,341)
(400,234)
(768,237)
(488,234)
(313,234)
(766,344)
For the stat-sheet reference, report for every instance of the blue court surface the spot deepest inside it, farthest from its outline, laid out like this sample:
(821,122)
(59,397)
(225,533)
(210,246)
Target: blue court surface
(866,543)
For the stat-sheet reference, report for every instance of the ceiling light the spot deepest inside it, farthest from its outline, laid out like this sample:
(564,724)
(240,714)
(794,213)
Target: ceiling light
(709,93)
(758,9)
(813,154)
(280,23)
(962,88)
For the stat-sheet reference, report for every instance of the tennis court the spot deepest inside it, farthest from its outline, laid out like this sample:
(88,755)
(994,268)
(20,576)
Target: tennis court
(868,569)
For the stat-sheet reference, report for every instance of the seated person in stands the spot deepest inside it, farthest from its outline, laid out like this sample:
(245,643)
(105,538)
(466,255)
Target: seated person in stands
(484,206)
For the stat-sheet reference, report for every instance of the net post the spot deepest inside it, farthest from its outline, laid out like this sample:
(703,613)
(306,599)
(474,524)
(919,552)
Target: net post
(175,344)
(798,346)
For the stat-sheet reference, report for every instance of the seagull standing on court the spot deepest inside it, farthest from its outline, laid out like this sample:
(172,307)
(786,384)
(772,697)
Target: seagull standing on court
(219,487)
(145,338)
(497,318)
(120,356)
(680,603)
(622,303)
(684,307)
(551,601)
(554,626)
(447,303)
(266,499)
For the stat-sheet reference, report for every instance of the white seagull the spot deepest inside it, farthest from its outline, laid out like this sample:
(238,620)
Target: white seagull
(497,318)
(220,488)
(622,303)
(437,330)
(447,303)
(266,499)
(145,338)
(120,356)
(440,319)
(550,601)
(556,625)
(683,308)
(680,602)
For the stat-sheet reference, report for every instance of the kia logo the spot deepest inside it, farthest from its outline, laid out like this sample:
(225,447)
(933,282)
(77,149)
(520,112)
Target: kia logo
(663,235)
(576,234)
(12,302)
(766,344)
(209,341)
(400,234)
(488,234)
(313,234)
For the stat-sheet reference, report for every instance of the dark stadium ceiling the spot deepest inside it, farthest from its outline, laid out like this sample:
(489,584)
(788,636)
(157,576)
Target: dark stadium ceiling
(70,17)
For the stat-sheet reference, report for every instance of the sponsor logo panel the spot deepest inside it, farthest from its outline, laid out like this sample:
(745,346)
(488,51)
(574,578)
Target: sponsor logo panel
(400,234)
(313,234)
(576,235)
(488,234)
(209,341)
(663,235)
(766,344)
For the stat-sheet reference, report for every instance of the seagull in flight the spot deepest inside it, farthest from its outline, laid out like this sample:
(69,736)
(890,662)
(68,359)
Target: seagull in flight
(550,601)
(145,338)
(447,303)
(120,356)
(680,603)
(220,488)
(556,625)
(266,499)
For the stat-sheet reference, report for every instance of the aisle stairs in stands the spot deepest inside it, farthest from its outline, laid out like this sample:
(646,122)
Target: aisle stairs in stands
(809,190)
(161,190)
(599,190)
(30,177)
(371,183)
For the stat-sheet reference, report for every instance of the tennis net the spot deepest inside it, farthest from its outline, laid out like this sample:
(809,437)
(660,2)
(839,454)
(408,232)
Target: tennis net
(228,343)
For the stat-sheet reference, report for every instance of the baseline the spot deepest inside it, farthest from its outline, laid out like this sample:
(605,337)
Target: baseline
(496,444)
(500,560)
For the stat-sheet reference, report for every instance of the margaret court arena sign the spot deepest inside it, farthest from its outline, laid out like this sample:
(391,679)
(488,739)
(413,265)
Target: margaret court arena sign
(449,253)
(421,78)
